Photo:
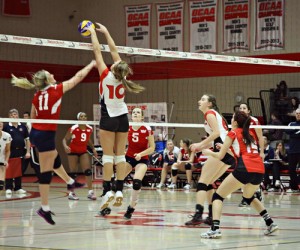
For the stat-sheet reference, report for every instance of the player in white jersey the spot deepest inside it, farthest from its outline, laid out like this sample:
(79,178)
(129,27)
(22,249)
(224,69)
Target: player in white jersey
(216,127)
(5,140)
(114,122)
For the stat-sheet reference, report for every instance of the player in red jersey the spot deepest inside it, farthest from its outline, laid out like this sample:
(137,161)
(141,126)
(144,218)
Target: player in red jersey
(185,161)
(140,145)
(248,173)
(46,104)
(258,137)
(114,122)
(79,137)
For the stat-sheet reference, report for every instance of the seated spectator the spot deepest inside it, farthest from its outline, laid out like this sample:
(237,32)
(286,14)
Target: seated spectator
(185,163)
(281,99)
(280,162)
(294,105)
(170,156)
(294,153)
(274,135)
(269,154)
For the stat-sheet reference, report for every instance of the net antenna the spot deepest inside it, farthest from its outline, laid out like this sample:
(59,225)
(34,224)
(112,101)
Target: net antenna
(172,134)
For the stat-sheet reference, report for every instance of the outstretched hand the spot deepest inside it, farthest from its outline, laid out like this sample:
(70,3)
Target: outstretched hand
(101,28)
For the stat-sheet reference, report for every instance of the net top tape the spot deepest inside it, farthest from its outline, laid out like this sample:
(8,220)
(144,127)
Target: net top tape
(153,124)
(146,52)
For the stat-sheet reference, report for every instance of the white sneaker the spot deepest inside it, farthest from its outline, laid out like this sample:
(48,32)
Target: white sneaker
(160,185)
(270,229)
(8,191)
(91,195)
(292,191)
(118,199)
(128,185)
(187,187)
(277,183)
(210,234)
(21,191)
(172,186)
(72,196)
(106,199)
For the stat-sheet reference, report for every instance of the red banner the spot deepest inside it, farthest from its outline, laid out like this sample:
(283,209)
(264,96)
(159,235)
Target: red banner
(20,8)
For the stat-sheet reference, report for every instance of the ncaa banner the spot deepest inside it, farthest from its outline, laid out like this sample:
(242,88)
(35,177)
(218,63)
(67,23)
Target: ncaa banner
(138,25)
(170,26)
(236,20)
(269,24)
(203,26)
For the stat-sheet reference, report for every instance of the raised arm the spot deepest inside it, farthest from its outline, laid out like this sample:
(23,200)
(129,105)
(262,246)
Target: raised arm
(79,76)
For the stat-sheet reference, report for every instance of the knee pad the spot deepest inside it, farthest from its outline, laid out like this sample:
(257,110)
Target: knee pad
(106,186)
(174,172)
(57,162)
(216,196)
(201,187)
(88,172)
(120,158)
(137,184)
(248,200)
(119,185)
(209,187)
(107,159)
(45,178)
(188,166)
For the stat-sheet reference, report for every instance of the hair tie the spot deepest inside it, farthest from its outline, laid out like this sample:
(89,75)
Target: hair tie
(78,115)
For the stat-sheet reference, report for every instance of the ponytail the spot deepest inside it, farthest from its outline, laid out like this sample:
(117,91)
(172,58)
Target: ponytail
(248,139)
(21,82)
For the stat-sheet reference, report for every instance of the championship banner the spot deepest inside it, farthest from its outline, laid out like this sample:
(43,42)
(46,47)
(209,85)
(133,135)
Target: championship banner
(153,112)
(269,24)
(203,26)
(236,20)
(138,25)
(170,26)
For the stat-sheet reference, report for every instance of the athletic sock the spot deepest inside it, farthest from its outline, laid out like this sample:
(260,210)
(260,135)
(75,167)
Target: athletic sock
(266,217)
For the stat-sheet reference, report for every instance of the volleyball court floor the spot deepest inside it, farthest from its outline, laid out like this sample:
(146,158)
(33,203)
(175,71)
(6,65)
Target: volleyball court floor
(158,222)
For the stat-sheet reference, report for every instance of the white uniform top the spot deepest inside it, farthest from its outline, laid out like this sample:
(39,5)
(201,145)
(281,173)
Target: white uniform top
(176,151)
(112,95)
(4,139)
(221,124)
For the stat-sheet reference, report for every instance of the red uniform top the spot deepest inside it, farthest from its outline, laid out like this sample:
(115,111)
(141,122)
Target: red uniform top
(80,138)
(251,160)
(47,103)
(254,121)
(185,156)
(138,141)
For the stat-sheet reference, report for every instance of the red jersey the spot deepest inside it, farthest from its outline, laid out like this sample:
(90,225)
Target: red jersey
(80,138)
(254,121)
(47,103)
(138,141)
(185,155)
(249,158)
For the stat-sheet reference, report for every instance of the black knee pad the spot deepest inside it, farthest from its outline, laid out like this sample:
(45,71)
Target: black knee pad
(119,185)
(137,184)
(174,172)
(216,196)
(88,172)
(106,186)
(210,187)
(248,200)
(188,166)
(57,162)
(45,178)
(1,185)
(201,187)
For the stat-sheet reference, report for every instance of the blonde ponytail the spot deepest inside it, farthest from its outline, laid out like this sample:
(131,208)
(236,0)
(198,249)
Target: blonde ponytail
(39,81)
(21,82)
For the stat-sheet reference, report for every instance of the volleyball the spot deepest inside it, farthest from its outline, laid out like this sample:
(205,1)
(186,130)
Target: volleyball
(82,28)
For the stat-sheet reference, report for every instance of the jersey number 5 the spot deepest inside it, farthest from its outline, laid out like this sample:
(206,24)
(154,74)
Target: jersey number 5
(43,101)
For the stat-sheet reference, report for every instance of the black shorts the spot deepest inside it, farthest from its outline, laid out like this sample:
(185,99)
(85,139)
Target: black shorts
(248,178)
(133,162)
(229,160)
(42,140)
(115,124)
(168,161)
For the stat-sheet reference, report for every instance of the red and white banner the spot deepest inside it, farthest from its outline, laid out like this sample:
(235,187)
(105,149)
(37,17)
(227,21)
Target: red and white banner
(203,25)
(138,19)
(269,24)
(170,26)
(20,8)
(236,25)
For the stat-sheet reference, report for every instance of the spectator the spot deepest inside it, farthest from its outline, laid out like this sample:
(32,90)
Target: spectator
(274,135)
(269,154)
(281,99)
(20,149)
(170,156)
(294,105)
(294,153)
(280,162)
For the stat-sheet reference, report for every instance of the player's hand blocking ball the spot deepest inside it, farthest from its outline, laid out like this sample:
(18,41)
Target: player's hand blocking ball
(83,28)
